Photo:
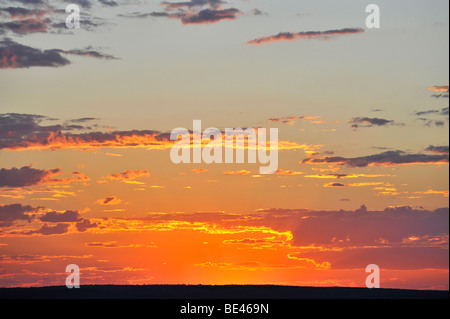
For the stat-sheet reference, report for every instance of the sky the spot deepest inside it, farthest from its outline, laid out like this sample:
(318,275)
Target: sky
(86,176)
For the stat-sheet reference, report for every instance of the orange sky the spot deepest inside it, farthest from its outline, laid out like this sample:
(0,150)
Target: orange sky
(86,176)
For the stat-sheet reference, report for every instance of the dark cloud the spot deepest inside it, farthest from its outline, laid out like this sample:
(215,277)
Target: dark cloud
(90,53)
(21,12)
(193,3)
(47,230)
(108,3)
(27,131)
(32,2)
(337,185)
(438,149)
(11,213)
(84,119)
(86,224)
(438,96)
(309,35)
(390,158)
(192,12)
(15,55)
(422,113)
(257,12)
(81,3)
(67,217)
(433,112)
(341,232)
(398,258)
(370,122)
(25,176)
(210,16)
(429,123)
(397,238)
(145,15)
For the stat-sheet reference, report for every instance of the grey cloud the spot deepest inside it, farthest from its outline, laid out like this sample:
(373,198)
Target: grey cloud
(66,217)
(370,122)
(16,55)
(25,176)
(11,213)
(438,149)
(390,158)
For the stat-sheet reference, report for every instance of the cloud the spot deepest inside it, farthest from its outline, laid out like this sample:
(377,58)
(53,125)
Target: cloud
(86,224)
(443,150)
(192,12)
(19,132)
(439,88)
(239,173)
(258,12)
(209,16)
(353,185)
(442,95)
(15,55)
(290,120)
(346,176)
(444,112)
(26,131)
(28,176)
(394,224)
(288,173)
(199,170)
(310,35)
(89,53)
(109,201)
(11,213)
(430,123)
(67,217)
(370,122)
(390,158)
(398,258)
(128,175)
(193,3)
(47,230)
(108,3)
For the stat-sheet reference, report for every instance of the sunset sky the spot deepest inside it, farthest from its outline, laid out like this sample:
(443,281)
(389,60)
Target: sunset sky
(363,116)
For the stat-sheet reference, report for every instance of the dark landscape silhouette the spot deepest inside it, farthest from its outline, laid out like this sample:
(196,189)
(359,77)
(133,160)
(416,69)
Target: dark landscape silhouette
(231,292)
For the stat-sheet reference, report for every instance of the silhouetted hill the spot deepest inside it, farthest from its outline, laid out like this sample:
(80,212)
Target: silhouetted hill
(215,292)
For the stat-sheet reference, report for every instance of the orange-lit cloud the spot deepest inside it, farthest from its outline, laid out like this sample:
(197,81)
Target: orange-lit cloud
(288,173)
(241,172)
(434,192)
(346,176)
(288,36)
(352,185)
(199,170)
(436,88)
(128,175)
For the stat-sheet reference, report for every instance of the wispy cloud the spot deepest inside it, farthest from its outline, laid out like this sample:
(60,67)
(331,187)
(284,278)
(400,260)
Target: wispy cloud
(309,35)
(390,158)
(15,55)
(192,12)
